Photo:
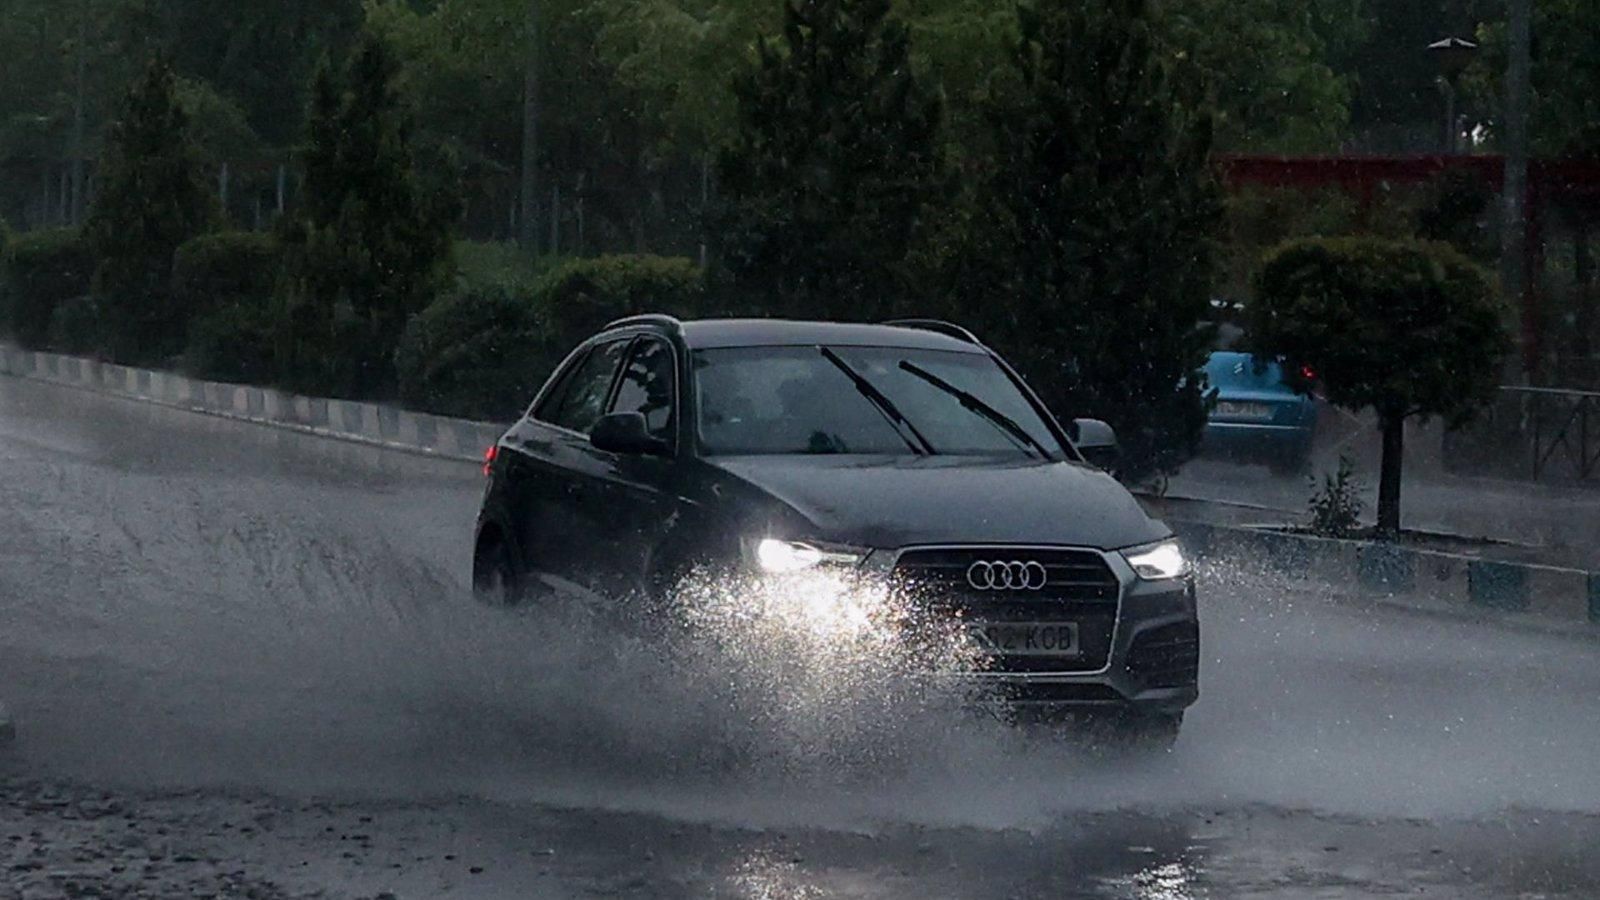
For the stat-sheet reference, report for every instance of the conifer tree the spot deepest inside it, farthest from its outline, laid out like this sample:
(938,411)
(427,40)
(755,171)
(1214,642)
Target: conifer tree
(152,198)
(367,247)
(1091,259)
(836,158)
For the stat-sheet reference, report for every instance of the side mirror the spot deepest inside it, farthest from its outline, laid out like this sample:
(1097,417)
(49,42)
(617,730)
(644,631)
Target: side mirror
(626,432)
(1097,441)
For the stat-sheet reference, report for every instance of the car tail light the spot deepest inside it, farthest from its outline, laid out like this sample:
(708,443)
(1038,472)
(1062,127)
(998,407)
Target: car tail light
(488,459)
(1308,373)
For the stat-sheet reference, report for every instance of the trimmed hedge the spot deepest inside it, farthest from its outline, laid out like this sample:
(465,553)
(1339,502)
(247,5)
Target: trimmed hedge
(214,270)
(484,350)
(76,326)
(42,270)
(224,284)
(478,352)
(583,296)
(233,342)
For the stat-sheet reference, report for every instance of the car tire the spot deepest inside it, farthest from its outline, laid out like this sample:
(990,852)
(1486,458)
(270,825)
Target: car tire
(496,580)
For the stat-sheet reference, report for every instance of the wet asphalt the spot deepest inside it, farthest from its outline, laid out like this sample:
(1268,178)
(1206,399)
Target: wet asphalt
(243,660)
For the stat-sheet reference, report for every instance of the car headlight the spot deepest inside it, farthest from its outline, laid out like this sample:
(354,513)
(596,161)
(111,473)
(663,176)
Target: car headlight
(1155,562)
(778,556)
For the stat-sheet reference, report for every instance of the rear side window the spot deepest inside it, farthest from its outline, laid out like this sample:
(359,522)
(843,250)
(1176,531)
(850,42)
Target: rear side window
(581,397)
(648,386)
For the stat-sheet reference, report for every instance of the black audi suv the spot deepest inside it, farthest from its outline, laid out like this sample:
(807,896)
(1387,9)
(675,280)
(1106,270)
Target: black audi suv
(906,453)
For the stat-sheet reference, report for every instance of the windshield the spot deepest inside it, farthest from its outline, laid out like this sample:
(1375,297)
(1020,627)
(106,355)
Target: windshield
(768,400)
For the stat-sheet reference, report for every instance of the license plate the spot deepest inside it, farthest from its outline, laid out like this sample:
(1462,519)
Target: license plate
(1244,410)
(1027,638)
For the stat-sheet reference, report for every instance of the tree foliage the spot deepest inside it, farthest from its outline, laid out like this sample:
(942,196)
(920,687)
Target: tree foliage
(152,199)
(1091,257)
(368,246)
(1564,119)
(1269,64)
(835,162)
(1405,328)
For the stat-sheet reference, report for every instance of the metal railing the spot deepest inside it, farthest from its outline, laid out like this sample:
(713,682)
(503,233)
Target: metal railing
(1560,430)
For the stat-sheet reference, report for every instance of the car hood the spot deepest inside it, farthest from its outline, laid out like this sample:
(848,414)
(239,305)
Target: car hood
(903,501)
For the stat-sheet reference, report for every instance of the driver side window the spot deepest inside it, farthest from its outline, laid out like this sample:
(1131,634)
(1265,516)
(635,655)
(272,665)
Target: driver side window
(578,402)
(648,386)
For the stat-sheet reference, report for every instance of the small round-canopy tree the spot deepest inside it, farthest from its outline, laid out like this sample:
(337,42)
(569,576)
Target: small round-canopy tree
(1408,328)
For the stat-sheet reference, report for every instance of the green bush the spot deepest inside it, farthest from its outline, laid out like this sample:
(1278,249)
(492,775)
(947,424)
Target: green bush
(478,352)
(498,263)
(483,350)
(233,342)
(582,296)
(215,270)
(76,326)
(224,282)
(42,269)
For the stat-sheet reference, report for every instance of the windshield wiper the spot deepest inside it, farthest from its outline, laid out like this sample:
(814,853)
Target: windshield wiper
(884,405)
(995,417)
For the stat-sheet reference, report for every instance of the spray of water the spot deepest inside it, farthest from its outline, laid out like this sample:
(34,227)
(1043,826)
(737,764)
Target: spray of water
(306,665)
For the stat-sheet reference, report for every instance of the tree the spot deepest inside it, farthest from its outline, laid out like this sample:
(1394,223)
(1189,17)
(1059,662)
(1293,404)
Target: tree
(1565,77)
(152,199)
(1407,328)
(1089,259)
(367,247)
(1268,62)
(836,159)
(675,55)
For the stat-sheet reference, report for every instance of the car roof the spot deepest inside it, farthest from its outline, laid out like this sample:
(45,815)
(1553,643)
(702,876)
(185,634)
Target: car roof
(708,334)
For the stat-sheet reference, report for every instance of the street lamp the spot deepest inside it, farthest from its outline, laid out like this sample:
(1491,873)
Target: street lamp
(1453,55)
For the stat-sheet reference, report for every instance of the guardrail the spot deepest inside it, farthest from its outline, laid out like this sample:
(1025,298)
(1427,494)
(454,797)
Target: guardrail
(1532,432)
(349,420)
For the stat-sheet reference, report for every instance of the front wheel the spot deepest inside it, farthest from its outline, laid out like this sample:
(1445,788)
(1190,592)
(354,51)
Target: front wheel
(495,579)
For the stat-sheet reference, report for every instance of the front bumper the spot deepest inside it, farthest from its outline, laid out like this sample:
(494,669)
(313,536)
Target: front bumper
(1152,665)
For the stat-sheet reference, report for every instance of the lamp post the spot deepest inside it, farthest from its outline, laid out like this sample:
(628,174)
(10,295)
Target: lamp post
(1453,55)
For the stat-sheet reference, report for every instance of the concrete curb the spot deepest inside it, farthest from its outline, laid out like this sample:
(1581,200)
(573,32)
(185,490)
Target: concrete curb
(348,420)
(1428,580)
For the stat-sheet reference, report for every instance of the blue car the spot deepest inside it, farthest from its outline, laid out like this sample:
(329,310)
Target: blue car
(1258,416)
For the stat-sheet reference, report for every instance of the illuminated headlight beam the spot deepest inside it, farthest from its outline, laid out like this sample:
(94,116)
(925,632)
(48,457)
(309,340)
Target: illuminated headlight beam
(1157,562)
(777,557)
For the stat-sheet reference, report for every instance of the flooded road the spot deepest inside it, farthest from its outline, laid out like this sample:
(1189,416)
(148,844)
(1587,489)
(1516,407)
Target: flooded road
(211,627)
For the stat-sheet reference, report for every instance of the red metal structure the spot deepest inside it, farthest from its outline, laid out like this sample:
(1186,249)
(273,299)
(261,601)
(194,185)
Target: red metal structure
(1363,175)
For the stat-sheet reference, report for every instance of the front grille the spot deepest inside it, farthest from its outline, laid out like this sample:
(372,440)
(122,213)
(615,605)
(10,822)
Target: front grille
(1080,575)
(1166,657)
(1079,587)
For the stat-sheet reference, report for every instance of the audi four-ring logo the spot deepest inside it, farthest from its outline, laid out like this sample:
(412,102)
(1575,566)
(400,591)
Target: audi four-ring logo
(1003,575)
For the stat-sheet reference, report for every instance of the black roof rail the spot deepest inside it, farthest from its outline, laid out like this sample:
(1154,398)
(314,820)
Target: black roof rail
(662,319)
(948,329)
